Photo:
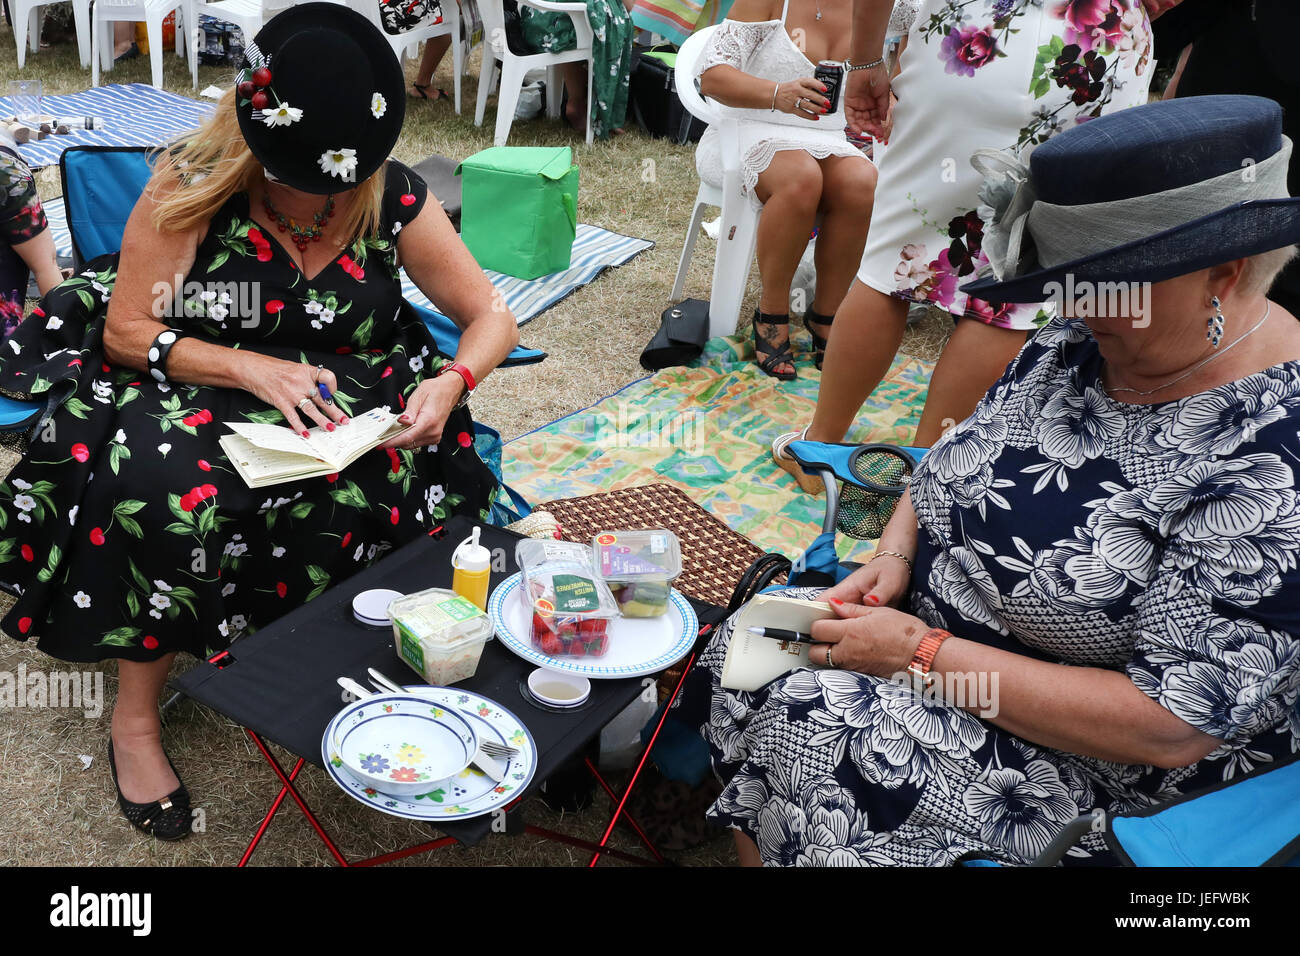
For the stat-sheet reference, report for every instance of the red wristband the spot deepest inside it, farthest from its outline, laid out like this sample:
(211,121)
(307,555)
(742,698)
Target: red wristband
(463,372)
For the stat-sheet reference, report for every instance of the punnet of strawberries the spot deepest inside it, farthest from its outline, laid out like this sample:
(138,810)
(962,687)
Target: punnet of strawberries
(570,606)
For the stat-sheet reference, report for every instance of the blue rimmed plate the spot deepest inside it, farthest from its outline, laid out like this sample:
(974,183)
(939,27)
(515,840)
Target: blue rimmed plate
(637,645)
(468,794)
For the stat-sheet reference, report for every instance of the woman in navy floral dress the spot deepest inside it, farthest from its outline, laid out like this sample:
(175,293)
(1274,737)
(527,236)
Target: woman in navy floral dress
(1113,535)
(25,243)
(125,531)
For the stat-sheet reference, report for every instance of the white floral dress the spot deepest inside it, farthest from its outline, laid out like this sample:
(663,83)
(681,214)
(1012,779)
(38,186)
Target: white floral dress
(765,50)
(1160,541)
(995,74)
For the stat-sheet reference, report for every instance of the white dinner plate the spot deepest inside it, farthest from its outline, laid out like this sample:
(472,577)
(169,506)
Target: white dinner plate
(637,645)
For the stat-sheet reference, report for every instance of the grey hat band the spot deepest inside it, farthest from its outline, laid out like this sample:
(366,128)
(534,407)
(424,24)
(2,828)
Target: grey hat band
(1023,232)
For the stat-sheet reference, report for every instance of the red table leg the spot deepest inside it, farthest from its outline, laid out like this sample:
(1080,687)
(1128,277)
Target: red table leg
(286,783)
(645,755)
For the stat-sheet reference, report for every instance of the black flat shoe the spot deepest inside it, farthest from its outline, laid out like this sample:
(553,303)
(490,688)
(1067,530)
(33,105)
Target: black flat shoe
(770,355)
(166,819)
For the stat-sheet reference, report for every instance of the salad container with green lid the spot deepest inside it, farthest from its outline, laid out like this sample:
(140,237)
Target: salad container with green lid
(639,567)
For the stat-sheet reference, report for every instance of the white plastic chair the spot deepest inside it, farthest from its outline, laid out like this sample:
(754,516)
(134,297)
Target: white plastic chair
(151,12)
(27,15)
(402,43)
(248,15)
(738,228)
(513,66)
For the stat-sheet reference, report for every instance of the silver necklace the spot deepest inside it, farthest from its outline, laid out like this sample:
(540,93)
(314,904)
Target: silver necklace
(819,8)
(1203,362)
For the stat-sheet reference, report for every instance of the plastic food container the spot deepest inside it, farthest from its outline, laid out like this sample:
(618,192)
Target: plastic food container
(640,568)
(571,606)
(439,634)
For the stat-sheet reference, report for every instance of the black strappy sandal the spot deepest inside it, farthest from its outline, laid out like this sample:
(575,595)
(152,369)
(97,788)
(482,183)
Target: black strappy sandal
(423,90)
(819,342)
(166,819)
(770,355)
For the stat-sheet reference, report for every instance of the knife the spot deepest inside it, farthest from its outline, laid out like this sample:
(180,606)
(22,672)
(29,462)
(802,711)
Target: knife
(489,766)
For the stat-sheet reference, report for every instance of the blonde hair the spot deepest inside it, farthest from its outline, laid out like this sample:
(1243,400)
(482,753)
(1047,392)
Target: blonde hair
(203,169)
(1262,269)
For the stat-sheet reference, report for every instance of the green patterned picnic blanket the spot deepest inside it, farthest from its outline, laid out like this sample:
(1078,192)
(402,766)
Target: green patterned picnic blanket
(708,428)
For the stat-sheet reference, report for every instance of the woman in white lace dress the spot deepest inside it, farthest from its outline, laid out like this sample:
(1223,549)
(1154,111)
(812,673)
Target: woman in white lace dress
(997,74)
(796,161)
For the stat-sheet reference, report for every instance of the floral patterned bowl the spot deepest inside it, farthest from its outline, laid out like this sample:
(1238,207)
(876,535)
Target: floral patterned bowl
(403,745)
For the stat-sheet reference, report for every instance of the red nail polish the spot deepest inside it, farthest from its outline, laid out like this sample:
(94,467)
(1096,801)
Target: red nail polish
(304,434)
(404,419)
(344,420)
(873,599)
(329,427)
(836,601)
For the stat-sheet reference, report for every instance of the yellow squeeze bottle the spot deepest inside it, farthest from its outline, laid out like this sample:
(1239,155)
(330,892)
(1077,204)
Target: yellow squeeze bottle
(472,564)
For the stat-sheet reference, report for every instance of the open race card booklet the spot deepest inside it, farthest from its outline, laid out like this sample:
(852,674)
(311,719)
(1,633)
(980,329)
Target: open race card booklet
(271,454)
(753,661)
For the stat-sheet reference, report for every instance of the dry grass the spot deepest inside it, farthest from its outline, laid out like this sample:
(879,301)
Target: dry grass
(52,811)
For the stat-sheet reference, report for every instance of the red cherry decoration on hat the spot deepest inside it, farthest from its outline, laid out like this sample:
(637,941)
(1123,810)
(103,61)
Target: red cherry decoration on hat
(246,89)
(260,100)
(262,77)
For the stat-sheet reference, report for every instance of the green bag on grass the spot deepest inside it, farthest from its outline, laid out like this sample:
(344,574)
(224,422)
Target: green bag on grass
(519,208)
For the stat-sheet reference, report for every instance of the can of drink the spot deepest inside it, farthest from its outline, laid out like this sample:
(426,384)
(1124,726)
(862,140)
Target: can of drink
(830,73)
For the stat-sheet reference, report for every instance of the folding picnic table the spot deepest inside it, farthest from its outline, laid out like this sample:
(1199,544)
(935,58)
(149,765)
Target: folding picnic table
(279,685)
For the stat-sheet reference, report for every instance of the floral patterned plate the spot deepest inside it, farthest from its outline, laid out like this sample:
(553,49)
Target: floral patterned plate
(637,645)
(468,794)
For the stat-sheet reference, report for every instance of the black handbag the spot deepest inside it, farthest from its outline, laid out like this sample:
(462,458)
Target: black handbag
(683,330)
(652,95)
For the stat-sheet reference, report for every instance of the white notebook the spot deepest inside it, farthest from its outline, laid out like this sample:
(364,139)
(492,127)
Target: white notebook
(271,454)
(753,661)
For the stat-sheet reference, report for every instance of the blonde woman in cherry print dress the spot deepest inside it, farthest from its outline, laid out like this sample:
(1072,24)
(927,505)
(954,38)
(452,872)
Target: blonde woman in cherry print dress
(101,528)
(974,74)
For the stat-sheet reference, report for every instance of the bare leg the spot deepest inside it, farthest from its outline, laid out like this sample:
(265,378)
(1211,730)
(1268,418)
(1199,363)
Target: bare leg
(142,769)
(575,80)
(863,342)
(434,51)
(747,850)
(848,193)
(974,358)
(790,190)
(123,37)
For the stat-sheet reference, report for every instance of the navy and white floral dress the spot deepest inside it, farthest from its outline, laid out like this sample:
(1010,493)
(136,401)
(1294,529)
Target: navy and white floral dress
(1157,540)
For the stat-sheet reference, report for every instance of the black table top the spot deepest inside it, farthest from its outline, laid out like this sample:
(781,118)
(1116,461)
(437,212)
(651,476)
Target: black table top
(281,683)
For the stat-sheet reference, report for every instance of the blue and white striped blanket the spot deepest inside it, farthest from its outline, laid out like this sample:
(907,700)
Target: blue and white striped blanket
(594,251)
(134,114)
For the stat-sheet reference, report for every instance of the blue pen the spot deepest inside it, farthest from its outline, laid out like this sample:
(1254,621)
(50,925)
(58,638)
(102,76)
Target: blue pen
(325,393)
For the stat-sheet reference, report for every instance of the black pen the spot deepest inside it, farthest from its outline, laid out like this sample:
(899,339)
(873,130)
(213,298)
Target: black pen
(781,634)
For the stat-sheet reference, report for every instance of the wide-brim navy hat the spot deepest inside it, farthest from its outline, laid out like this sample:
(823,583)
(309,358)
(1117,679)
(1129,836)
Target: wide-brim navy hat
(1141,195)
(331,109)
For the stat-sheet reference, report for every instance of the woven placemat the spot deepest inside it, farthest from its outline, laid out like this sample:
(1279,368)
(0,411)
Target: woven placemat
(713,556)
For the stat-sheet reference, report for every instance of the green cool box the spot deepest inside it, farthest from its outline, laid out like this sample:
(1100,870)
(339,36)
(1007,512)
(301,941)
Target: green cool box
(519,209)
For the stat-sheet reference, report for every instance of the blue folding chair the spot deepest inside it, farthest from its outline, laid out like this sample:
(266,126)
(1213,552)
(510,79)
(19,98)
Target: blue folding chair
(100,187)
(1251,821)
(863,486)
